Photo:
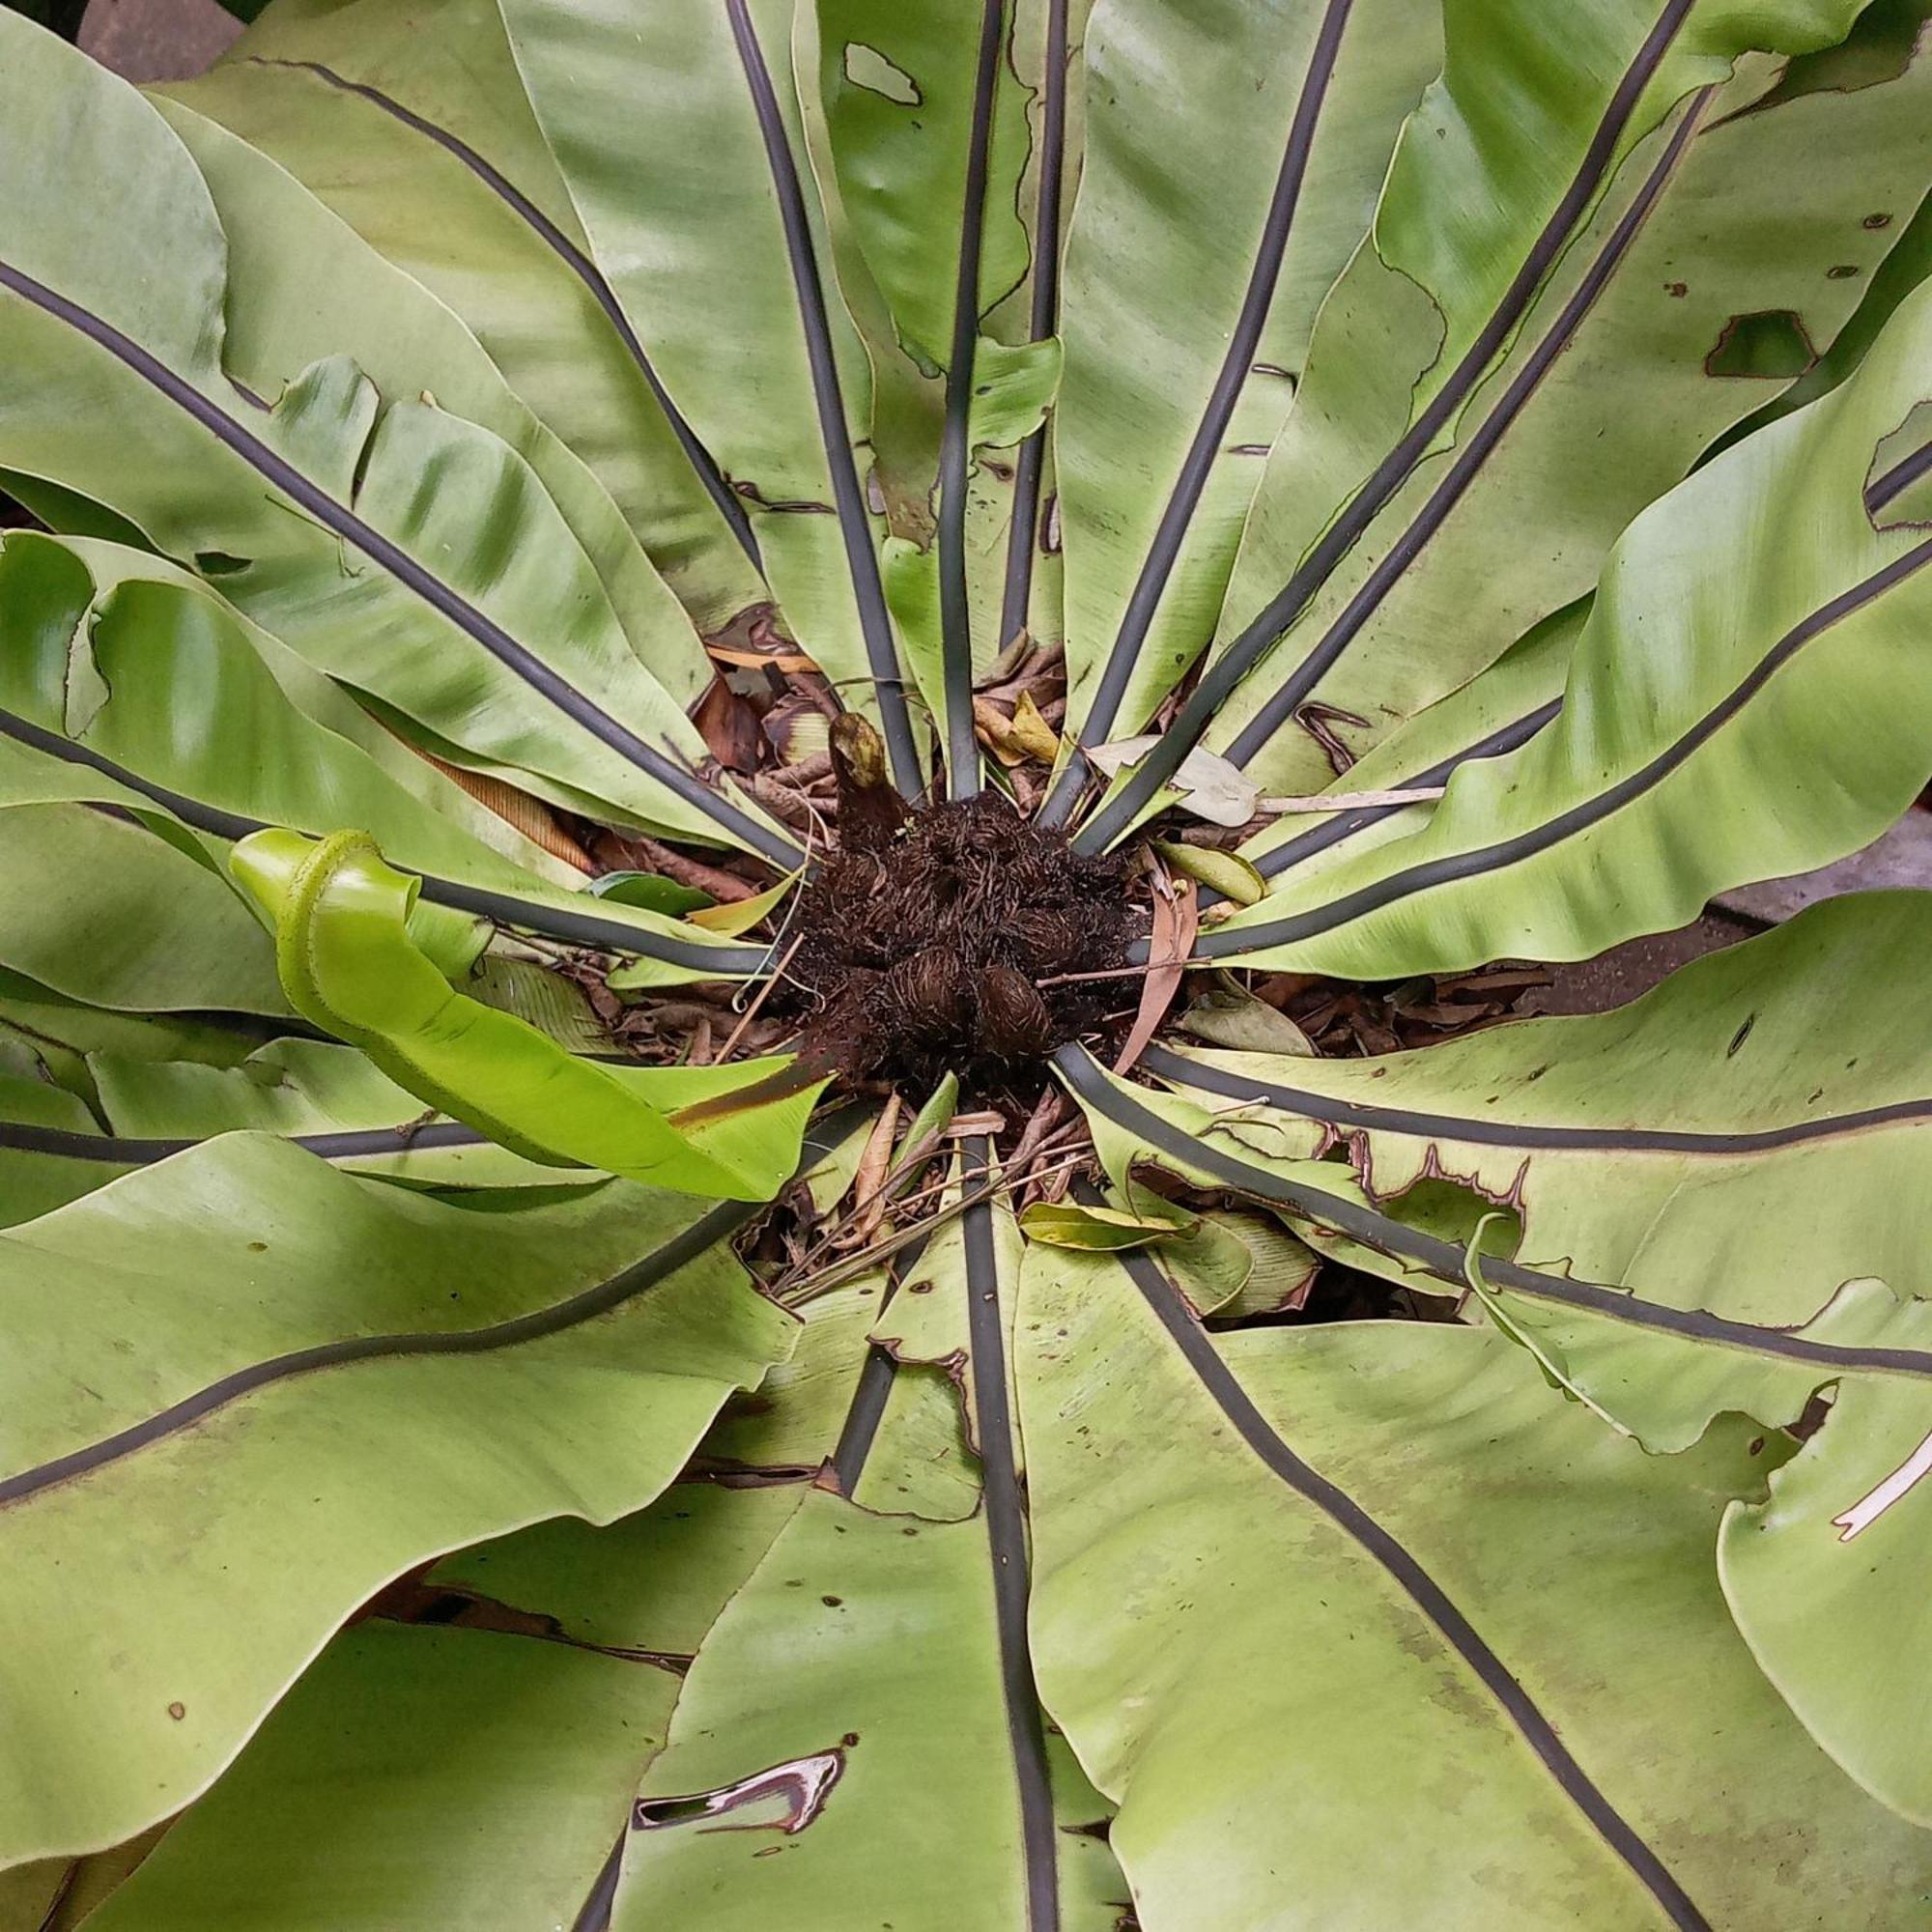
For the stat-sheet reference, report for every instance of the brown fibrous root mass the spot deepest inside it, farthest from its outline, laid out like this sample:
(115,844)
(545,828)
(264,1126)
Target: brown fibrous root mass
(923,945)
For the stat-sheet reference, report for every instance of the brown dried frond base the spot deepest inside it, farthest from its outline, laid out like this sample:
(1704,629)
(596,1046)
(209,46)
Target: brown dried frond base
(921,954)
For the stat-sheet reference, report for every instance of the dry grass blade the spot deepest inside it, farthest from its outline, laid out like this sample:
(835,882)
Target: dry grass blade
(759,999)
(1352,801)
(819,1280)
(1121,971)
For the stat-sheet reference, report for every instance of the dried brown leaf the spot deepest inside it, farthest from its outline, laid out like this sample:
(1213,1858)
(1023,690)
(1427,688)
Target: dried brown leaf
(994,729)
(1175,921)
(531,817)
(869,1180)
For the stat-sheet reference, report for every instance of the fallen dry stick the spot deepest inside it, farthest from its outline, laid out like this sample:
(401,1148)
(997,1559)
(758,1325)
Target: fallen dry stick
(1351,801)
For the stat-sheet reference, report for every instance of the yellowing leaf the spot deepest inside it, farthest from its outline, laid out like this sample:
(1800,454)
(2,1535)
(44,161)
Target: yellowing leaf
(733,917)
(1096,1230)
(1226,872)
(1031,733)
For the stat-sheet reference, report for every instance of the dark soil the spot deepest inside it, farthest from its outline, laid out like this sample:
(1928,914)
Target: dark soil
(924,943)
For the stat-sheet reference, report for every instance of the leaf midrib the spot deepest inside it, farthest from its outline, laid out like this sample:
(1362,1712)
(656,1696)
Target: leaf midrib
(1446,1261)
(1484,860)
(515,657)
(1246,650)
(1335,1111)
(718,1225)
(1406,1571)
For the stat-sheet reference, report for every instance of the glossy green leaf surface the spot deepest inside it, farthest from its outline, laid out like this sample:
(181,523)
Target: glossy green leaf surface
(1540,131)
(1439,486)
(98,909)
(169,1333)
(350,963)
(513,1758)
(1826,1575)
(430,618)
(509,1736)
(860,1724)
(143,686)
(344,302)
(1748,1135)
(719,271)
(417,132)
(1203,245)
(1738,205)
(1424,1547)
(1744,623)
(904,141)
(850,1628)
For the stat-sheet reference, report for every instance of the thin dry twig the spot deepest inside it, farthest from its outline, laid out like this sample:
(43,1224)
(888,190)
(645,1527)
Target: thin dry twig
(867,1258)
(759,999)
(1123,972)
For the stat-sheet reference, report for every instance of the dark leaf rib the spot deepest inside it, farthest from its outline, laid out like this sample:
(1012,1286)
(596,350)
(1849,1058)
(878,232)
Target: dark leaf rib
(1247,649)
(594,1915)
(1505,852)
(1406,1571)
(867,591)
(1889,488)
(1043,319)
(718,1225)
(1470,457)
(1177,517)
(955,453)
(1444,1259)
(122,1151)
(1007,1537)
(1351,1114)
(574,260)
(1343,826)
(867,1410)
(955,437)
(861,1427)
(390,558)
(555,922)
